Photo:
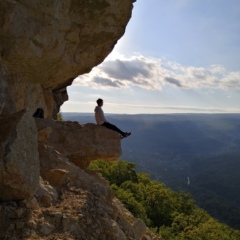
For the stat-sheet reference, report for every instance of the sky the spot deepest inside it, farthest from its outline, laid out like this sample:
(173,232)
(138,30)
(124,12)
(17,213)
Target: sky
(178,56)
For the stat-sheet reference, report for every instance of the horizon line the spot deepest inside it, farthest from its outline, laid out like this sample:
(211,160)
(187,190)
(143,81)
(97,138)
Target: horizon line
(207,113)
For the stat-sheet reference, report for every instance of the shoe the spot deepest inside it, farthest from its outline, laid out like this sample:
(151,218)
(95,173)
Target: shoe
(126,134)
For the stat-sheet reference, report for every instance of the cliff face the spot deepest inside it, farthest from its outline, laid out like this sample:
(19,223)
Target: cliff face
(45,44)
(45,193)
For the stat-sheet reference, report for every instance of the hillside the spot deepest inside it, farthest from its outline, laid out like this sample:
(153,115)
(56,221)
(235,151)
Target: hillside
(197,153)
(172,215)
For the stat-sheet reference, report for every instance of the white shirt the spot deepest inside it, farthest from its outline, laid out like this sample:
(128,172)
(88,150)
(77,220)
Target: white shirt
(99,115)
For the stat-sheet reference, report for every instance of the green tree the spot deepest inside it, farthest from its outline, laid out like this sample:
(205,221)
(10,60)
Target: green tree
(59,116)
(172,214)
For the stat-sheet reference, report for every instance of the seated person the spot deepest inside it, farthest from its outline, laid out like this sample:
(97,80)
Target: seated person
(101,120)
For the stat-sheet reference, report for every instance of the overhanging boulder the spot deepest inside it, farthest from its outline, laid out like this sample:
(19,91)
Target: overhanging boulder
(50,43)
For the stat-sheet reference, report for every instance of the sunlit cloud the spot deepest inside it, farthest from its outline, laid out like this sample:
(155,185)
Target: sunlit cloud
(155,74)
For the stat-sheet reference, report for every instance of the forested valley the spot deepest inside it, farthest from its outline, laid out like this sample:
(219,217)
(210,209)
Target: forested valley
(195,153)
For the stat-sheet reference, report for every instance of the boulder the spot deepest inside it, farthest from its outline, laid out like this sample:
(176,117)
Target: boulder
(139,229)
(56,177)
(19,161)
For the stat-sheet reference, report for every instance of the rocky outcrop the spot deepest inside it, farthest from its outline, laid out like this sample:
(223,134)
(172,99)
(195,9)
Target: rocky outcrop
(49,43)
(45,192)
(19,161)
(70,203)
(44,45)
(82,213)
(80,143)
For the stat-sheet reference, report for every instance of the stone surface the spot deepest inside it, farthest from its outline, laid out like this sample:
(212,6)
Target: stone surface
(46,229)
(84,211)
(60,96)
(52,161)
(49,43)
(19,161)
(46,194)
(140,229)
(82,143)
(44,134)
(56,177)
(18,213)
(32,203)
(17,94)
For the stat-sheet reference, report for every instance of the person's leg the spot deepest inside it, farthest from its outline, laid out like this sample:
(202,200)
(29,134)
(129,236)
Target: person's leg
(113,127)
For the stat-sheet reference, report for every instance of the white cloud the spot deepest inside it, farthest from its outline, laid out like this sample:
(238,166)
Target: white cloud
(152,73)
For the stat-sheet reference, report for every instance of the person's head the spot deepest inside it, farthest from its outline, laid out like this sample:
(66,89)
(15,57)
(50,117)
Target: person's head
(99,102)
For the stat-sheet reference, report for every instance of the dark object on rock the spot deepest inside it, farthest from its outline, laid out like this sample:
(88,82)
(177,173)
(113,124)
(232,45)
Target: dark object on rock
(39,113)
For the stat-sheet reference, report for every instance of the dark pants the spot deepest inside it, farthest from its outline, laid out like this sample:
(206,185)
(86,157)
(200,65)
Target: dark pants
(113,127)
